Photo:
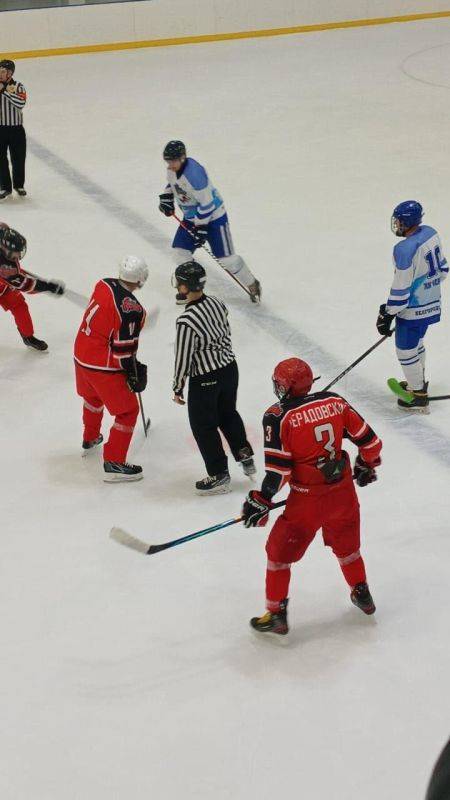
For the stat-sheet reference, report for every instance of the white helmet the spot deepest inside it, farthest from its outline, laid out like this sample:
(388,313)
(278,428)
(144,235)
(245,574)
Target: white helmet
(133,269)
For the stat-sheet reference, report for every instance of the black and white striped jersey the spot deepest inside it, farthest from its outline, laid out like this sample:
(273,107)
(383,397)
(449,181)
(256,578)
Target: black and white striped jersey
(203,341)
(12,99)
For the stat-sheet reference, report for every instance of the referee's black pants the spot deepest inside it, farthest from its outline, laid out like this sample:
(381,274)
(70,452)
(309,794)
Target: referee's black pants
(12,138)
(212,407)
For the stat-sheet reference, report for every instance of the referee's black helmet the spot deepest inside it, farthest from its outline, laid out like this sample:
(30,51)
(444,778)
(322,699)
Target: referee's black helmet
(192,275)
(7,64)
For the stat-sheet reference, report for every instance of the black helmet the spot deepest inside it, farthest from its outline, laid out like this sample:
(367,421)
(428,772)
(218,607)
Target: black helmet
(192,274)
(7,64)
(12,243)
(174,149)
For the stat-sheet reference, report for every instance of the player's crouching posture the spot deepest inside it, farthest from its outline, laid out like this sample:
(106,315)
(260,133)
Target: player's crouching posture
(204,217)
(107,372)
(14,281)
(303,436)
(415,297)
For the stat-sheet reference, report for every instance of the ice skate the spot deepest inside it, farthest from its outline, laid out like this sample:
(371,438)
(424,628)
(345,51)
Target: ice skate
(255,291)
(246,461)
(4,193)
(420,403)
(88,446)
(361,597)
(116,473)
(271,622)
(21,192)
(35,344)
(214,484)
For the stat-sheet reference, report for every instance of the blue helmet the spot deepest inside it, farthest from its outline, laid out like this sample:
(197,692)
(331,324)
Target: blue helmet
(406,215)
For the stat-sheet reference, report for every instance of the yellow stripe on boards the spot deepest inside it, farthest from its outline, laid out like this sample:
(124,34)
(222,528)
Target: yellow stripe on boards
(220,37)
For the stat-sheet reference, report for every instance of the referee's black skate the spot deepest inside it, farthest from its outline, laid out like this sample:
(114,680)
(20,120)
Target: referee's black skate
(246,461)
(116,473)
(361,597)
(36,344)
(214,484)
(271,622)
(87,446)
(4,193)
(255,291)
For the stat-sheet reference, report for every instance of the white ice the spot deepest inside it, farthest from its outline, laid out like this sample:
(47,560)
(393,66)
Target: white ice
(125,676)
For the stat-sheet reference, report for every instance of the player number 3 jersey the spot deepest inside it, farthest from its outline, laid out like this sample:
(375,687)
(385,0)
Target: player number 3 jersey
(108,336)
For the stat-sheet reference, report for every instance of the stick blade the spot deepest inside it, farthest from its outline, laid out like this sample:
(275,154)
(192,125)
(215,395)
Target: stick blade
(78,299)
(127,540)
(395,387)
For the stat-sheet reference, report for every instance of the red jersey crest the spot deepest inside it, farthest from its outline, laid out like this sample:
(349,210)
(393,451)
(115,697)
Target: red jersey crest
(129,304)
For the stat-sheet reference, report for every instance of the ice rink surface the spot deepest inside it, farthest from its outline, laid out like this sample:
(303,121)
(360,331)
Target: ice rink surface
(128,677)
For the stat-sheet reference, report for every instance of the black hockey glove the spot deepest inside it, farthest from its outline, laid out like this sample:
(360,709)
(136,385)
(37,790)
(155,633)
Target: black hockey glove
(384,321)
(363,473)
(200,234)
(137,377)
(56,287)
(166,203)
(256,510)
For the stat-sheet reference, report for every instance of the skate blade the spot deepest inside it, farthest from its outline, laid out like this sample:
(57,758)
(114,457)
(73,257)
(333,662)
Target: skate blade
(113,478)
(415,410)
(219,490)
(282,639)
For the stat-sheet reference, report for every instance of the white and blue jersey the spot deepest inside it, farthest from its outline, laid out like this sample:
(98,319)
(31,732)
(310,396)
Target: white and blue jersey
(194,193)
(420,267)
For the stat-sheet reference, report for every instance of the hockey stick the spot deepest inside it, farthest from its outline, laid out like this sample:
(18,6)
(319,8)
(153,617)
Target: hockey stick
(145,423)
(122,537)
(358,360)
(182,223)
(74,297)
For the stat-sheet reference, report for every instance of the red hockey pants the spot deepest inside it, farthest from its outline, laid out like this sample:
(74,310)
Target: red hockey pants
(100,389)
(12,300)
(335,509)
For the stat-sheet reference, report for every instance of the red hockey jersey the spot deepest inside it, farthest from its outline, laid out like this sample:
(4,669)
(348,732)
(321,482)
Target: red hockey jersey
(303,434)
(110,328)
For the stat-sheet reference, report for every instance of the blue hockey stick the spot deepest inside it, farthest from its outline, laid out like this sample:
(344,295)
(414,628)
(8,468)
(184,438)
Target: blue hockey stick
(122,537)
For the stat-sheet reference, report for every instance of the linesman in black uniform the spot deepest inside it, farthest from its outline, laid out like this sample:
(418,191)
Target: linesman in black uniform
(12,133)
(203,353)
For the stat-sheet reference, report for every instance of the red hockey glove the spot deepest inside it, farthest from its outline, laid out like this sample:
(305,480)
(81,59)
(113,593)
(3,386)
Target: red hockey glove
(255,510)
(364,473)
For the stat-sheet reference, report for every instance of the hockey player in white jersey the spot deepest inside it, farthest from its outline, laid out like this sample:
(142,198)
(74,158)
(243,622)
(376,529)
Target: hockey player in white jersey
(204,216)
(415,297)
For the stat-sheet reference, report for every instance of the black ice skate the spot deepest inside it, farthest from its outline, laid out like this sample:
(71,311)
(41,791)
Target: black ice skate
(115,472)
(4,193)
(361,597)
(21,192)
(214,484)
(255,291)
(180,299)
(272,623)
(88,446)
(36,344)
(420,403)
(246,461)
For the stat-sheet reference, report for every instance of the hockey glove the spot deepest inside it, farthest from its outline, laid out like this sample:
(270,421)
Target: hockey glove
(200,234)
(384,321)
(166,204)
(137,377)
(364,473)
(255,510)
(56,287)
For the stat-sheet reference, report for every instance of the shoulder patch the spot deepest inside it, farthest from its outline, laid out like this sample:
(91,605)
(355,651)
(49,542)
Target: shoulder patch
(275,411)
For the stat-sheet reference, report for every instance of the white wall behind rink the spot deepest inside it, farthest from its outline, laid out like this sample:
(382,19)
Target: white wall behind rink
(73,26)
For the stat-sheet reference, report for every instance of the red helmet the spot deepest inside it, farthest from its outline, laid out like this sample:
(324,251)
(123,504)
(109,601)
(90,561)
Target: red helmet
(292,378)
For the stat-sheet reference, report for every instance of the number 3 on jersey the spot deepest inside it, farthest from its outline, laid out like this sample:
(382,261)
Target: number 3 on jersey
(326,431)
(90,311)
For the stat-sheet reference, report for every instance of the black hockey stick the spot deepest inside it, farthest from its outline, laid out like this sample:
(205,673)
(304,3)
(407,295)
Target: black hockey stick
(358,361)
(210,253)
(122,537)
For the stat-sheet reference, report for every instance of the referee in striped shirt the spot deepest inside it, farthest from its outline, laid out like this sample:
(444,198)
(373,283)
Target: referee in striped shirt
(203,353)
(12,133)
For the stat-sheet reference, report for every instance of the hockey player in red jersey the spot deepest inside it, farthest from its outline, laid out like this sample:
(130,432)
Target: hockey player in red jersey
(14,281)
(303,436)
(107,372)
